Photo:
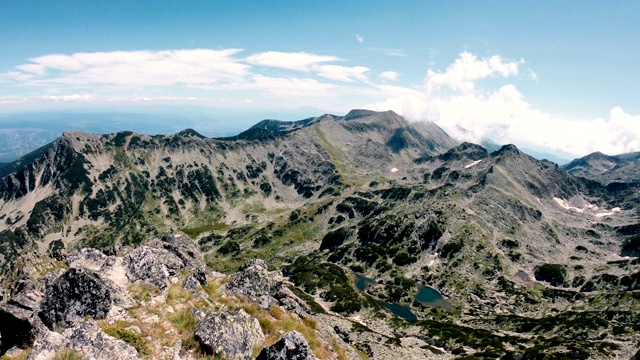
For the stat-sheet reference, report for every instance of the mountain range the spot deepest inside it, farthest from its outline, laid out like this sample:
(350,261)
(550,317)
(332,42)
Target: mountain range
(361,215)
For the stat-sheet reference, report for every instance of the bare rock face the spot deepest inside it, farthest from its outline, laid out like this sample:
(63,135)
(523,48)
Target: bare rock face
(229,334)
(160,260)
(87,340)
(256,283)
(292,346)
(253,282)
(152,266)
(74,295)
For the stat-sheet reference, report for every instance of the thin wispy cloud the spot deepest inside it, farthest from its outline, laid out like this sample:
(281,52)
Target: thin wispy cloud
(343,73)
(133,68)
(389,52)
(359,38)
(300,61)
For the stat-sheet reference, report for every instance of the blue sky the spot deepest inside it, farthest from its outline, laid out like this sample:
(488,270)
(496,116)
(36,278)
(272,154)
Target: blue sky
(560,76)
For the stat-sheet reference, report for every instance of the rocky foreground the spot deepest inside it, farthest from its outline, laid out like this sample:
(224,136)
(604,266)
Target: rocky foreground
(158,301)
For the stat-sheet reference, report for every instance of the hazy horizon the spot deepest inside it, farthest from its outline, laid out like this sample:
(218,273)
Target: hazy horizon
(552,77)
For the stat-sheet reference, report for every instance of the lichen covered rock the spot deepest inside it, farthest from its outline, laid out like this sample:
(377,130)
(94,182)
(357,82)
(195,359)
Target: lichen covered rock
(292,346)
(230,334)
(253,282)
(85,339)
(77,294)
(160,260)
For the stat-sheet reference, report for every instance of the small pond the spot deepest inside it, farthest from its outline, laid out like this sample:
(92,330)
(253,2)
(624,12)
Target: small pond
(431,296)
(402,311)
(425,295)
(362,282)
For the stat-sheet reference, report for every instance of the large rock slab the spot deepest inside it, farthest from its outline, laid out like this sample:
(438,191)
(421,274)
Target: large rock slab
(160,260)
(292,346)
(256,283)
(85,339)
(253,282)
(77,294)
(229,334)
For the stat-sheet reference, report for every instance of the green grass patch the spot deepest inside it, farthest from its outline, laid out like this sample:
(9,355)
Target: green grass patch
(136,340)
(195,232)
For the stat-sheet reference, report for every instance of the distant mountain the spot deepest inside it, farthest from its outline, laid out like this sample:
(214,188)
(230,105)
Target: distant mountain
(529,260)
(605,168)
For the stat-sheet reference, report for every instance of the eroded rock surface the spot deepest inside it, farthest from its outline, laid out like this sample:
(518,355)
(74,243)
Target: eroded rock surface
(86,339)
(256,283)
(78,293)
(230,334)
(253,282)
(292,346)
(160,260)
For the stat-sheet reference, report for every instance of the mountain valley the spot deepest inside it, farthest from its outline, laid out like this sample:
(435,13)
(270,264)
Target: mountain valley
(532,260)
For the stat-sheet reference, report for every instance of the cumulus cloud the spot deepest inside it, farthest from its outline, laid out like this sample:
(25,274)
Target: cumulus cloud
(389,75)
(300,61)
(453,100)
(467,69)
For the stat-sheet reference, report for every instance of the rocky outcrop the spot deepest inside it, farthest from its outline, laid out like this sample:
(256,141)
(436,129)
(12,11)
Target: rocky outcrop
(230,334)
(253,282)
(77,294)
(86,339)
(158,262)
(292,346)
(256,283)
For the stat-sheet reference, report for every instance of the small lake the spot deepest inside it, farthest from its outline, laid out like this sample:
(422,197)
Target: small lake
(402,311)
(431,296)
(362,282)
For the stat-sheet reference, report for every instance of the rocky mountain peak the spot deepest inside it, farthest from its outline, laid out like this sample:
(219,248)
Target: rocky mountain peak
(359,113)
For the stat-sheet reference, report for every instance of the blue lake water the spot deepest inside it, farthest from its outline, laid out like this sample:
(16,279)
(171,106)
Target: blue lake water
(362,282)
(425,295)
(432,297)
(402,311)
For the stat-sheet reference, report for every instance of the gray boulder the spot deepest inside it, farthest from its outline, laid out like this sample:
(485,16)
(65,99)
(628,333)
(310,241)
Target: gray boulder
(87,340)
(76,294)
(292,346)
(256,283)
(229,334)
(152,266)
(160,260)
(253,282)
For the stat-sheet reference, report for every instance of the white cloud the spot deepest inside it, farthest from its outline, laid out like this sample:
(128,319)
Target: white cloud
(343,73)
(390,52)
(70,98)
(289,87)
(467,68)
(359,38)
(452,100)
(389,75)
(300,61)
(532,75)
(133,68)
